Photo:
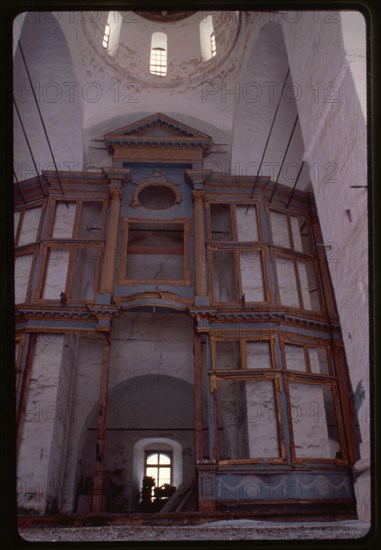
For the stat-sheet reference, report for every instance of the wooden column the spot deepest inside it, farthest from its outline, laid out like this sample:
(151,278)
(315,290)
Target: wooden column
(197,397)
(101,427)
(24,388)
(109,260)
(199,243)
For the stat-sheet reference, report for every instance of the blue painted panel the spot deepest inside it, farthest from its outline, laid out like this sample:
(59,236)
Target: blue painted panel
(288,486)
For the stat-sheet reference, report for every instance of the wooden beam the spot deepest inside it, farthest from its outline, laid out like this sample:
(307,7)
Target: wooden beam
(109,260)
(101,427)
(24,388)
(199,243)
(197,397)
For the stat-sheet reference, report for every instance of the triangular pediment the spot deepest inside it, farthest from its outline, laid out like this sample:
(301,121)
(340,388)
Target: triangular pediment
(157,126)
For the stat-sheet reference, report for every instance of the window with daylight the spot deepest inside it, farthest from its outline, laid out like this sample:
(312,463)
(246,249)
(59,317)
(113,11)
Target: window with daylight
(158,60)
(112,31)
(207,38)
(213,47)
(158,465)
(106,36)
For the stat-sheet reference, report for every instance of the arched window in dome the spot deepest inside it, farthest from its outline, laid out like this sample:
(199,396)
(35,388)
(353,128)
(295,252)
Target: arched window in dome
(111,33)
(158,60)
(207,38)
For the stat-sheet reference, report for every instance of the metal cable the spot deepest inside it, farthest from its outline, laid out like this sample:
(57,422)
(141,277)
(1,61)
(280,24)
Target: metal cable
(284,156)
(42,120)
(268,137)
(296,181)
(29,147)
(19,186)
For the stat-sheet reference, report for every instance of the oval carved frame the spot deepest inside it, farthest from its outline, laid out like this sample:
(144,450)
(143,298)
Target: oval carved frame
(134,200)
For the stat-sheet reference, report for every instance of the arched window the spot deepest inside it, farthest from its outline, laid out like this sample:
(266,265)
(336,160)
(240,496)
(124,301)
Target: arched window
(207,38)
(111,33)
(158,465)
(158,60)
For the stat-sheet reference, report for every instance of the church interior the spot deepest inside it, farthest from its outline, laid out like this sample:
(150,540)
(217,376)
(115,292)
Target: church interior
(191,263)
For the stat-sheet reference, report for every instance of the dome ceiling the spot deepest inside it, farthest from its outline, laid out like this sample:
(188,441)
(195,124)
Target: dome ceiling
(186,69)
(165,16)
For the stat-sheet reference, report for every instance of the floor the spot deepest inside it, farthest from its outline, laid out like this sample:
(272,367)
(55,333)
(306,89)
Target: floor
(226,530)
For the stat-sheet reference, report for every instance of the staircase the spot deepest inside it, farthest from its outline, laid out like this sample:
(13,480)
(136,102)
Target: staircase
(184,499)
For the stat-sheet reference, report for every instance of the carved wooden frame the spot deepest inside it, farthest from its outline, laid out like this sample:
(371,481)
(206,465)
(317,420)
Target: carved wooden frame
(292,256)
(28,250)
(72,247)
(187,278)
(236,251)
(39,204)
(134,200)
(53,204)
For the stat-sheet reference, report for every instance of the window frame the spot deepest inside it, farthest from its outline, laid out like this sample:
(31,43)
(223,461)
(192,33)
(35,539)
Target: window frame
(213,44)
(301,378)
(106,36)
(159,452)
(79,203)
(295,258)
(187,276)
(236,252)
(291,213)
(27,250)
(159,43)
(266,337)
(236,376)
(244,374)
(72,247)
(39,204)
(235,246)
(306,377)
(20,341)
(233,218)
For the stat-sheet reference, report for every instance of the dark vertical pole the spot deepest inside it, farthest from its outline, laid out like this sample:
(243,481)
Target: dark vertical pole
(197,397)
(101,428)
(24,387)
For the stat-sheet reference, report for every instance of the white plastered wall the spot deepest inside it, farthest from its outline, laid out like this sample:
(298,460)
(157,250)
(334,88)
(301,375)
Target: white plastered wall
(335,140)
(40,452)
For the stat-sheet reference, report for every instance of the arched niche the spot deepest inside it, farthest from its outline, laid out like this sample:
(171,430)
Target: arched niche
(143,411)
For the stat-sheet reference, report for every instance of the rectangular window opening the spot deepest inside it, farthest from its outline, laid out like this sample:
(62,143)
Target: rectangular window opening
(220,219)
(308,285)
(155,251)
(247,420)
(258,355)
(314,422)
(252,276)
(288,290)
(23,266)
(247,223)
(224,276)
(29,226)
(56,269)
(84,270)
(228,356)
(90,221)
(301,235)
(279,229)
(63,222)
